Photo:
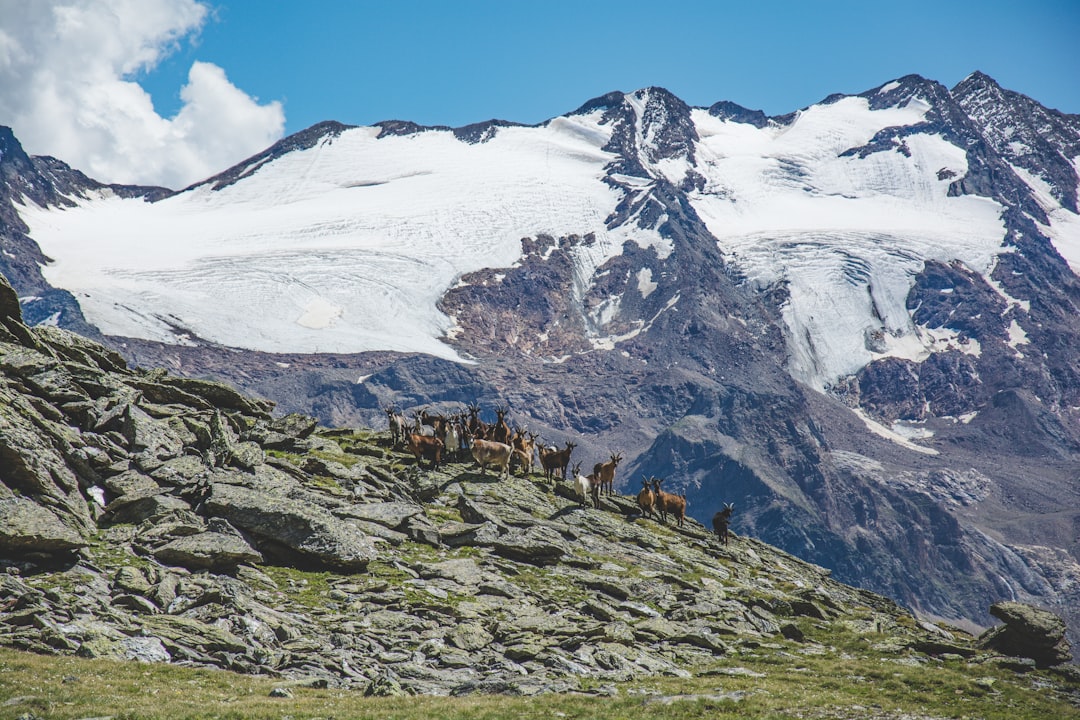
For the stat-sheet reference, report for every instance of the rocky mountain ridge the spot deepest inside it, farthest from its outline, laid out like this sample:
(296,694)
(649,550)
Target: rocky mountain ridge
(155,518)
(941,478)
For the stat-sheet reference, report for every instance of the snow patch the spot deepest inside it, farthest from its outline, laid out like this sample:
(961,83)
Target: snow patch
(319,314)
(645,284)
(1017,336)
(51,321)
(882,431)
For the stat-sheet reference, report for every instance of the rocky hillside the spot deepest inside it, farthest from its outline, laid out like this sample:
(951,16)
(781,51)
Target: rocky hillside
(149,517)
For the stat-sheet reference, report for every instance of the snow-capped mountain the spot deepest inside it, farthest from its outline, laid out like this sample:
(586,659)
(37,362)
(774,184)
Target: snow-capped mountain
(858,321)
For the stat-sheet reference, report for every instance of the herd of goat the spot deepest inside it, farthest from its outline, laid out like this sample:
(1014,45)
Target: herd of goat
(433,437)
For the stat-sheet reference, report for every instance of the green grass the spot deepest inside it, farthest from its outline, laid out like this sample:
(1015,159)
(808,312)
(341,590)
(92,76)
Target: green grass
(785,685)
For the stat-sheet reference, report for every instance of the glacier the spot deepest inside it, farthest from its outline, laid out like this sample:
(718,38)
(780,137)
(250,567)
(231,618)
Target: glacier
(349,245)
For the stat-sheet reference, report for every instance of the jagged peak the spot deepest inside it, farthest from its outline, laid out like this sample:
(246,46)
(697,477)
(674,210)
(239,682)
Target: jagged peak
(902,90)
(11,150)
(977,83)
(726,110)
(405,127)
(610,100)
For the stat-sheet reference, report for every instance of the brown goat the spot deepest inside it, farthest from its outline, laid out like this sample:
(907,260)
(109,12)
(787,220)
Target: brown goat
(426,447)
(646,498)
(501,431)
(477,427)
(605,473)
(669,503)
(524,450)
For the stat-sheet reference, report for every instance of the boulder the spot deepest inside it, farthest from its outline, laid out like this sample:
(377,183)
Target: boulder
(187,632)
(9,302)
(208,551)
(537,545)
(388,514)
(142,505)
(1028,632)
(33,464)
(27,527)
(302,528)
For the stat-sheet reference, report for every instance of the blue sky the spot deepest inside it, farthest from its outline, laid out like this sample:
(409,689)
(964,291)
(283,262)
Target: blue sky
(168,92)
(453,63)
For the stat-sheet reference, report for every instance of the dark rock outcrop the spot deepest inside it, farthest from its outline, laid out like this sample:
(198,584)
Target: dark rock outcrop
(1028,632)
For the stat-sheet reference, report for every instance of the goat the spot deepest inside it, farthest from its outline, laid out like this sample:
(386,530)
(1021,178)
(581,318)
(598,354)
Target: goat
(501,431)
(477,427)
(524,449)
(398,423)
(553,459)
(646,498)
(453,439)
(426,447)
(721,521)
(670,503)
(584,487)
(486,452)
(419,427)
(605,473)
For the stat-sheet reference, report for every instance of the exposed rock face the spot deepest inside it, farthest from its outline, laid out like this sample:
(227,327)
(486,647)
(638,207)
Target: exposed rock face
(302,528)
(1028,632)
(27,528)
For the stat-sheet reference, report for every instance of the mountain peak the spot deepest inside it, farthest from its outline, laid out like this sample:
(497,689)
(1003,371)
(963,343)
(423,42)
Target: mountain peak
(610,100)
(726,110)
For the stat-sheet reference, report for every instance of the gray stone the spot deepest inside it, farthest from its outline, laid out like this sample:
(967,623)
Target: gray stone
(131,482)
(295,425)
(456,534)
(469,637)
(27,527)
(208,550)
(32,449)
(310,531)
(148,435)
(389,514)
(132,579)
(463,571)
(538,545)
(191,633)
(1028,632)
(143,505)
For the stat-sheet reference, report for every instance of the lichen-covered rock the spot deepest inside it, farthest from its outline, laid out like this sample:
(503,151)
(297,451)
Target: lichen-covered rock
(34,465)
(277,521)
(190,633)
(208,550)
(1028,632)
(27,527)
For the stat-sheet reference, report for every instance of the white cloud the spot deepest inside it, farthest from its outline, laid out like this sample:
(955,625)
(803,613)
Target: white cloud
(66,88)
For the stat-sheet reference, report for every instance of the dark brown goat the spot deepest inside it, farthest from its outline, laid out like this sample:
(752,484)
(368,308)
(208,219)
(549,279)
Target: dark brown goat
(554,460)
(721,521)
(501,431)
